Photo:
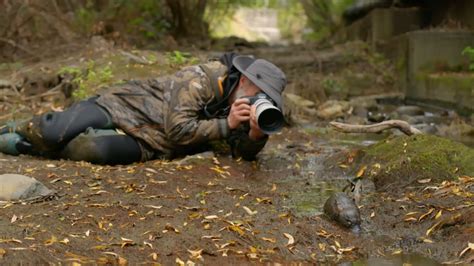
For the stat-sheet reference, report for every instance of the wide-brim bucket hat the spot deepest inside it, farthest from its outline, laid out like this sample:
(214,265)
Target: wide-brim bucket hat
(265,75)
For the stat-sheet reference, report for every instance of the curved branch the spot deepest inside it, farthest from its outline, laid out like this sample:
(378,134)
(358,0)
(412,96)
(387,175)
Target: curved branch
(376,128)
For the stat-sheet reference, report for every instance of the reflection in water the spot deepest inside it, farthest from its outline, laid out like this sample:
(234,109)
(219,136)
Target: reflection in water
(397,260)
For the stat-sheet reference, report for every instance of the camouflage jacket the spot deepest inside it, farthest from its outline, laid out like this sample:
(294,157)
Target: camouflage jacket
(166,114)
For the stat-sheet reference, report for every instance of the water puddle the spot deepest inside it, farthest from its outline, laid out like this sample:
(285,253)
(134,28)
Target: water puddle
(397,260)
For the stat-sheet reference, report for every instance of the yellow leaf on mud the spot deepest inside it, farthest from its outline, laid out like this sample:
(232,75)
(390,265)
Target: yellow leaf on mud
(148,244)
(154,256)
(291,239)
(151,170)
(14,218)
(271,240)
(100,247)
(427,240)
(361,171)
(423,216)
(196,254)
(322,246)
(372,215)
(180,262)
(249,211)
(51,241)
(438,214)
(211,217)
(432,228)
(122,261)
(424,181)
(396,252)
(65,241)
(237,229)
(337,244)
(470,246)
(2,252)
(154,207)
(274,188)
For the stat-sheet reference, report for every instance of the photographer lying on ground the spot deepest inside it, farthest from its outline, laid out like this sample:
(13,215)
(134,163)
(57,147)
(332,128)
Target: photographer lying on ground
(164,117)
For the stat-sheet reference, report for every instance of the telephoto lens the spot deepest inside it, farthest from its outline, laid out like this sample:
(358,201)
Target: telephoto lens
(269,118)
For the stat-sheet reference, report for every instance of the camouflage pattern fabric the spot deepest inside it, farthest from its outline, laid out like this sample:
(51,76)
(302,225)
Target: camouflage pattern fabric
(166,114)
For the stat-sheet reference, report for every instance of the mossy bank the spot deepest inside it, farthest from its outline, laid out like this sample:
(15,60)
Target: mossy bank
(403,161)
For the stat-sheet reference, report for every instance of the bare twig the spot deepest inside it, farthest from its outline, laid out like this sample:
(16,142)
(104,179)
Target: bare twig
(50,92)
(14,44)
(376,128)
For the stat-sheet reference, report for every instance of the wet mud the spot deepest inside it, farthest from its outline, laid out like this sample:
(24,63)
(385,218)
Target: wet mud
(210,208)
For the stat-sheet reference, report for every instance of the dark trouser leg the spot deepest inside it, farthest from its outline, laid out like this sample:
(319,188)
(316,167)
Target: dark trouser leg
(103,147)
(50,132)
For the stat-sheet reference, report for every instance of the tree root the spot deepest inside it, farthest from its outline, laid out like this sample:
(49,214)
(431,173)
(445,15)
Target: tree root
(376,128)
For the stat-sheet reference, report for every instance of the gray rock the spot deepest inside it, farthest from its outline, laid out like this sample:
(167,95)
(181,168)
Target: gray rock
(410,110)
(20,187)
(342,209)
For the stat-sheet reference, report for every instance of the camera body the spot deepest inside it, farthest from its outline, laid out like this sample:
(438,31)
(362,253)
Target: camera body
(269,117)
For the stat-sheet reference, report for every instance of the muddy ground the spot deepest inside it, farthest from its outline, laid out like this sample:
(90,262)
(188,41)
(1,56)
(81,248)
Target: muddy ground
(213,209)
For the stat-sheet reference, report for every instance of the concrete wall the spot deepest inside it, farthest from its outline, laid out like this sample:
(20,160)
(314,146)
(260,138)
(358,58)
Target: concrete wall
(425,60)
(381,24)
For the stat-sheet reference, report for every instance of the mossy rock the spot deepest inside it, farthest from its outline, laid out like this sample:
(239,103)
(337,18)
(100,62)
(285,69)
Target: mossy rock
(398,162)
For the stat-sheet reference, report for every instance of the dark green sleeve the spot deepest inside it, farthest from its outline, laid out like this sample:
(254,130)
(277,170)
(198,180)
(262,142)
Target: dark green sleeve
(243,146)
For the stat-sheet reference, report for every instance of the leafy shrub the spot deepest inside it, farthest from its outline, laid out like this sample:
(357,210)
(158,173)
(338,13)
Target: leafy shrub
(469,52)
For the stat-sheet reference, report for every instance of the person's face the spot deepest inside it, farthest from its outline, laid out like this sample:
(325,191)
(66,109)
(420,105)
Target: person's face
(245,88)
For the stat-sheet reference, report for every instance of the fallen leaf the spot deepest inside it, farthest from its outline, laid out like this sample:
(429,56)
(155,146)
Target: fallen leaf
(237,229)
(153,206)
(396,252)
(151,170)
(432,228)
(14,218)
(322,246)
(65,241)
(211,217)
(154,256)
(122,261)
(180,262)
(271,240)
(470,246)
(423,216)
(274,188)
(51,241)
(291,239)
(361,171)
(424,181)
(438,214)
(196,254)
(249,211)
(2,252)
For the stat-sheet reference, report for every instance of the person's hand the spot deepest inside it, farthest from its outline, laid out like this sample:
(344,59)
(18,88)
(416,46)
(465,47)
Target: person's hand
(239,112)
(255,132)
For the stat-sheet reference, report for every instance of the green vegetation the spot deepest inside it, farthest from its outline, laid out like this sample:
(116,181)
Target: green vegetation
(145,17)
(177,58)
(469,52)
(89,79)
(324,16)
(332,87)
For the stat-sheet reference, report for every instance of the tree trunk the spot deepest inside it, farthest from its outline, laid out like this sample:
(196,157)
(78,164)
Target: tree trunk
(188,18)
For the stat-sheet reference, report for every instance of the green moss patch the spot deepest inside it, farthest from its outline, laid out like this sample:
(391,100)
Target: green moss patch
(403,161)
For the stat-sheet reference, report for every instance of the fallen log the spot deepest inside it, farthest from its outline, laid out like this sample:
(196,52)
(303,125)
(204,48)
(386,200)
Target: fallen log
(376,128)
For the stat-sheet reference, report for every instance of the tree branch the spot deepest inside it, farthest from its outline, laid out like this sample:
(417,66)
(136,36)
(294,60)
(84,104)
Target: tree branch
(376,128)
